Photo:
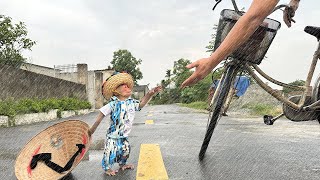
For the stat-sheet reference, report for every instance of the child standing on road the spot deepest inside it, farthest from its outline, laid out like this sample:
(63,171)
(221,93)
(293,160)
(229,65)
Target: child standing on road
(121,107)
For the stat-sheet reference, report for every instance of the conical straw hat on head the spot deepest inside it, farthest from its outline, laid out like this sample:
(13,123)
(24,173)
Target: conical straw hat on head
(114,81)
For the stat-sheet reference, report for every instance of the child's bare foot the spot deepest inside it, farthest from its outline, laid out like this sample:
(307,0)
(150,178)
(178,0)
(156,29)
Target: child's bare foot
(127,166)
(111,172)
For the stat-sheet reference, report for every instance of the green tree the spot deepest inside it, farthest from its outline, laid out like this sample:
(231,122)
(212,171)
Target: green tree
(124,61)
(180,71)
(210,47)
(164,83)
(197,92)
(177,76)
(168,75)
(296,83)
(13,40)
(179,66)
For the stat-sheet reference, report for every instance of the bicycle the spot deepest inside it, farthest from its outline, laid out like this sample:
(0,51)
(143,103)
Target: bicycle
(246,58)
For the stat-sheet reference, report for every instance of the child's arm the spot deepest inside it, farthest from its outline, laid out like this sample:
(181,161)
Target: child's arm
(145,99)
(96,124)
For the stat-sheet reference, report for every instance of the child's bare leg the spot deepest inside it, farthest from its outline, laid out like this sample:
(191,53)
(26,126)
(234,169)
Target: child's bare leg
(127,166)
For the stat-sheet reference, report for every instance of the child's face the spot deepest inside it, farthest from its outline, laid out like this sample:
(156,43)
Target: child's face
(124,90)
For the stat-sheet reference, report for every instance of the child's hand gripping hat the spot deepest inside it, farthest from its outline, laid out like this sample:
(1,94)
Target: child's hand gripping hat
(114,81)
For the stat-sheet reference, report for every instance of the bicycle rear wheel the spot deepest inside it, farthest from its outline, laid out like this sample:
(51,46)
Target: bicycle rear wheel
(216,105)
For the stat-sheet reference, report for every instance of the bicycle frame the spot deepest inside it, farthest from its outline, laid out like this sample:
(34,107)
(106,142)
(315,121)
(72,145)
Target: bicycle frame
(307,89)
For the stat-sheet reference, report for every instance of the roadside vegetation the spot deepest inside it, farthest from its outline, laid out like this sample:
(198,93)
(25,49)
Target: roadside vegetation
(260,109)
(12,107)
(200,105)
(254,109)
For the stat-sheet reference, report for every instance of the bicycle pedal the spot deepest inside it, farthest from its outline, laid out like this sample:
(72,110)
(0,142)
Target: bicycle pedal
(268,120)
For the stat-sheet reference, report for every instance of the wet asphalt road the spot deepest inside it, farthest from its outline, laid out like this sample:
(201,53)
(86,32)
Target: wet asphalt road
(241,148)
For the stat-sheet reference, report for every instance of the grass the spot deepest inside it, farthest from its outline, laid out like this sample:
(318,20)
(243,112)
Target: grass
(196,105)
(257,109)
(263,109)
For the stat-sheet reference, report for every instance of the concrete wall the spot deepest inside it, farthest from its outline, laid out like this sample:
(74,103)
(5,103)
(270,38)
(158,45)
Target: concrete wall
(94,88)
(91,79)
(90,89)
(39,69)
(98,79)
(22,119)
(18,83)
(67,76)
(106,74)
(82,73)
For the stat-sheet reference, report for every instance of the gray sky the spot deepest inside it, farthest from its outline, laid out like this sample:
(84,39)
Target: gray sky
(158,32)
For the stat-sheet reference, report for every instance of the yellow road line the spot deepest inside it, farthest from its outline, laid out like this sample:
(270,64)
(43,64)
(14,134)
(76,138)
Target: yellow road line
(150,114)
(149,122)
(150,164)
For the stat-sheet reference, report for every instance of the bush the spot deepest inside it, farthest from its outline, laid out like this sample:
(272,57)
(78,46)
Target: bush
(195,93)
(11,108)
(167,96)
(8,108)
(263,109)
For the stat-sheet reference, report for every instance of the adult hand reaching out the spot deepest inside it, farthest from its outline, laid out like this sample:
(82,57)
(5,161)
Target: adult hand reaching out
(203,67)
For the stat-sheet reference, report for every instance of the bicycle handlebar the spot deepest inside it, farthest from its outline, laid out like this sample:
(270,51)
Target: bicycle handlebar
(280,6)
(241,13)
(236,7)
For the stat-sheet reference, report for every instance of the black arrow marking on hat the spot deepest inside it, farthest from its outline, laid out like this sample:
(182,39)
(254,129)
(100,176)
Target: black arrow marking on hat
(46,158)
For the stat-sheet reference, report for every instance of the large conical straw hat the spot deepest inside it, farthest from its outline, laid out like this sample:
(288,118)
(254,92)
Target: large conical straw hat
(114,81)
(54,152)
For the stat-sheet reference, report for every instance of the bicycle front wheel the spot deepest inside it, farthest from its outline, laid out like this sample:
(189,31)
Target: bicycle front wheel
(216,105)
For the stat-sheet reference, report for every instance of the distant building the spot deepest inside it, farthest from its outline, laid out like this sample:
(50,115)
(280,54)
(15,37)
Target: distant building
(140,91)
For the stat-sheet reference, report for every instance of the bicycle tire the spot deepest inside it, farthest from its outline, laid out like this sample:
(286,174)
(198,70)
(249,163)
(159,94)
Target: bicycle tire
(316,94)
(216,104)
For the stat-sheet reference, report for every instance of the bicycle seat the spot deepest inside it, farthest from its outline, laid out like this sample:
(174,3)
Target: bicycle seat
(315,31)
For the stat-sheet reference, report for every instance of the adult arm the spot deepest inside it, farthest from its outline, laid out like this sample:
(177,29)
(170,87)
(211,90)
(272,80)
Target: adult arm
(242,30)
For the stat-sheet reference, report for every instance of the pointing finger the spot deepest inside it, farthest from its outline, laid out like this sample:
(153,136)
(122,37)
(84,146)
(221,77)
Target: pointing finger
(190,81)
(192,65)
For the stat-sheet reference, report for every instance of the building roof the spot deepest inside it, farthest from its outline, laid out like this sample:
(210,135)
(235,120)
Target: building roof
(140,88)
